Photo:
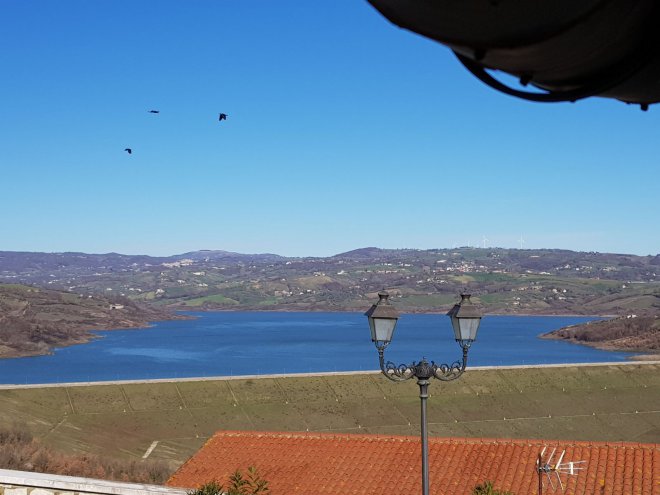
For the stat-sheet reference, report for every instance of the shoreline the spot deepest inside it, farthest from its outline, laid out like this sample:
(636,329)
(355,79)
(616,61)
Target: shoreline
(615,334)
(184,314)
(443,312)
(88,336)
(603,346)
(11,386)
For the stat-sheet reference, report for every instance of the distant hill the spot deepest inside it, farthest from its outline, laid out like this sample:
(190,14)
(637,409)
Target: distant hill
(503,281)
(217,255)
(363,253)
(512,281)
(34,320)
(39,267)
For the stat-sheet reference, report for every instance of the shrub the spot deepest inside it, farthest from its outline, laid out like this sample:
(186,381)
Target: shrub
(250,484)
(209,488)
(19,451)
(487,489)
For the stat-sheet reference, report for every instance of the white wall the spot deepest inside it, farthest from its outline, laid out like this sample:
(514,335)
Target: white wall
(27,483)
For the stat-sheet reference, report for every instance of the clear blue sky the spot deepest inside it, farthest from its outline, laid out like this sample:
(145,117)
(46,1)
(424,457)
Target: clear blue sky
(343,132)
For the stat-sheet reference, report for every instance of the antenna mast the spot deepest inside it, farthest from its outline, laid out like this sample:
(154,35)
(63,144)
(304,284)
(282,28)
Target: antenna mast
(546,467)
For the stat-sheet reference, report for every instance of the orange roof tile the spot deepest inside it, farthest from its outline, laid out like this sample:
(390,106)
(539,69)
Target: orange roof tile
(346,464)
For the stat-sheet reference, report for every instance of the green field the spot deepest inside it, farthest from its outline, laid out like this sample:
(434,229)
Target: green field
(607,403)
(216,298)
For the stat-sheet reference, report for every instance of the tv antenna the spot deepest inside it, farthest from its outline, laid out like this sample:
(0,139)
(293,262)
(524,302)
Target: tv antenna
(545,466)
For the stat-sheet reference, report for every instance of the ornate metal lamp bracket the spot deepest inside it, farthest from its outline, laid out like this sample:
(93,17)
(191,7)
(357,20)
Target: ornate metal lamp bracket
(422,370)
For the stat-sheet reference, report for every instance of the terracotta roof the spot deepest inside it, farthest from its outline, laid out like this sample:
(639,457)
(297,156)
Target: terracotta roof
(343,464)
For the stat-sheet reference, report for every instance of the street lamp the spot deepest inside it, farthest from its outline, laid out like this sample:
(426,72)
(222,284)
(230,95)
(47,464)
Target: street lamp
(465,319)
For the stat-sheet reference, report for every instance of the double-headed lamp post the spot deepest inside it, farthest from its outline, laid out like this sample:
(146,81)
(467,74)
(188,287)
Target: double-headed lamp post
(465,318)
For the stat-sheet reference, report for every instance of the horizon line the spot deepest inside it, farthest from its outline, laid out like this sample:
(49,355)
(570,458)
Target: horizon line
(198,251)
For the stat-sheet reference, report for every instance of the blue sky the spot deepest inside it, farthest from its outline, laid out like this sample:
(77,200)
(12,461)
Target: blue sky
(344,131)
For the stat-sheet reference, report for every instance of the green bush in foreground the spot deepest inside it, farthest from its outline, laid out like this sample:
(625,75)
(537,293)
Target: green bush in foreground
(487,489)
(250,484)
(209,488)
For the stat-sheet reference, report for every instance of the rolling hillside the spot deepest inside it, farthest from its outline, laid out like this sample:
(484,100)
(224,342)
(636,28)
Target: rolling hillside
(630,333)
(33,320)
(505,280)
(124,420)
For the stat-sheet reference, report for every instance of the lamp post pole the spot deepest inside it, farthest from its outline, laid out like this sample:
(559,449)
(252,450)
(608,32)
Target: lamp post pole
(423,395)
(382,321)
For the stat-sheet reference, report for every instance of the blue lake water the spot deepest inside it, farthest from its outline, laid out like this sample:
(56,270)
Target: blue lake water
(252,343)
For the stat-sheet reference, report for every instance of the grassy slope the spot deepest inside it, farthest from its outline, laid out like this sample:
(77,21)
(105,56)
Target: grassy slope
(615,403)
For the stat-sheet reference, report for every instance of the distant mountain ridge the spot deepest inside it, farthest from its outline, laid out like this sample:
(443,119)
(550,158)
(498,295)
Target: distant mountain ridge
(15,262)
(537,281)
(502,281)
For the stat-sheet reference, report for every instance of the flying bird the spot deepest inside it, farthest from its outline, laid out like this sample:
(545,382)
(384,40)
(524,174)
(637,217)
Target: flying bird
(128,150)
(154,111)
(222,116)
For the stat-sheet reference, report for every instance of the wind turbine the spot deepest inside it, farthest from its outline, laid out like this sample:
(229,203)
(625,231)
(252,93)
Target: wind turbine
(521,241)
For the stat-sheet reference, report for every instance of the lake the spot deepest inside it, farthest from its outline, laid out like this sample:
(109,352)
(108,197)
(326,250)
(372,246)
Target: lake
(254,343)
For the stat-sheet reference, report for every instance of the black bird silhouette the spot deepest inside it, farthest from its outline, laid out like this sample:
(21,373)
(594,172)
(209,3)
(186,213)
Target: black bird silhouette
(128,150)
(222,116)
(154,111)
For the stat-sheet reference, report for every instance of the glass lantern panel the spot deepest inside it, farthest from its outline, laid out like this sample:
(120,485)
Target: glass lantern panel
(382,329)
(456,326)
(468,328)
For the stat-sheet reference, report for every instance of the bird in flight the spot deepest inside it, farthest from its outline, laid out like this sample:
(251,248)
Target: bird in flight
(154,111)
(128,150)
(222,116)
